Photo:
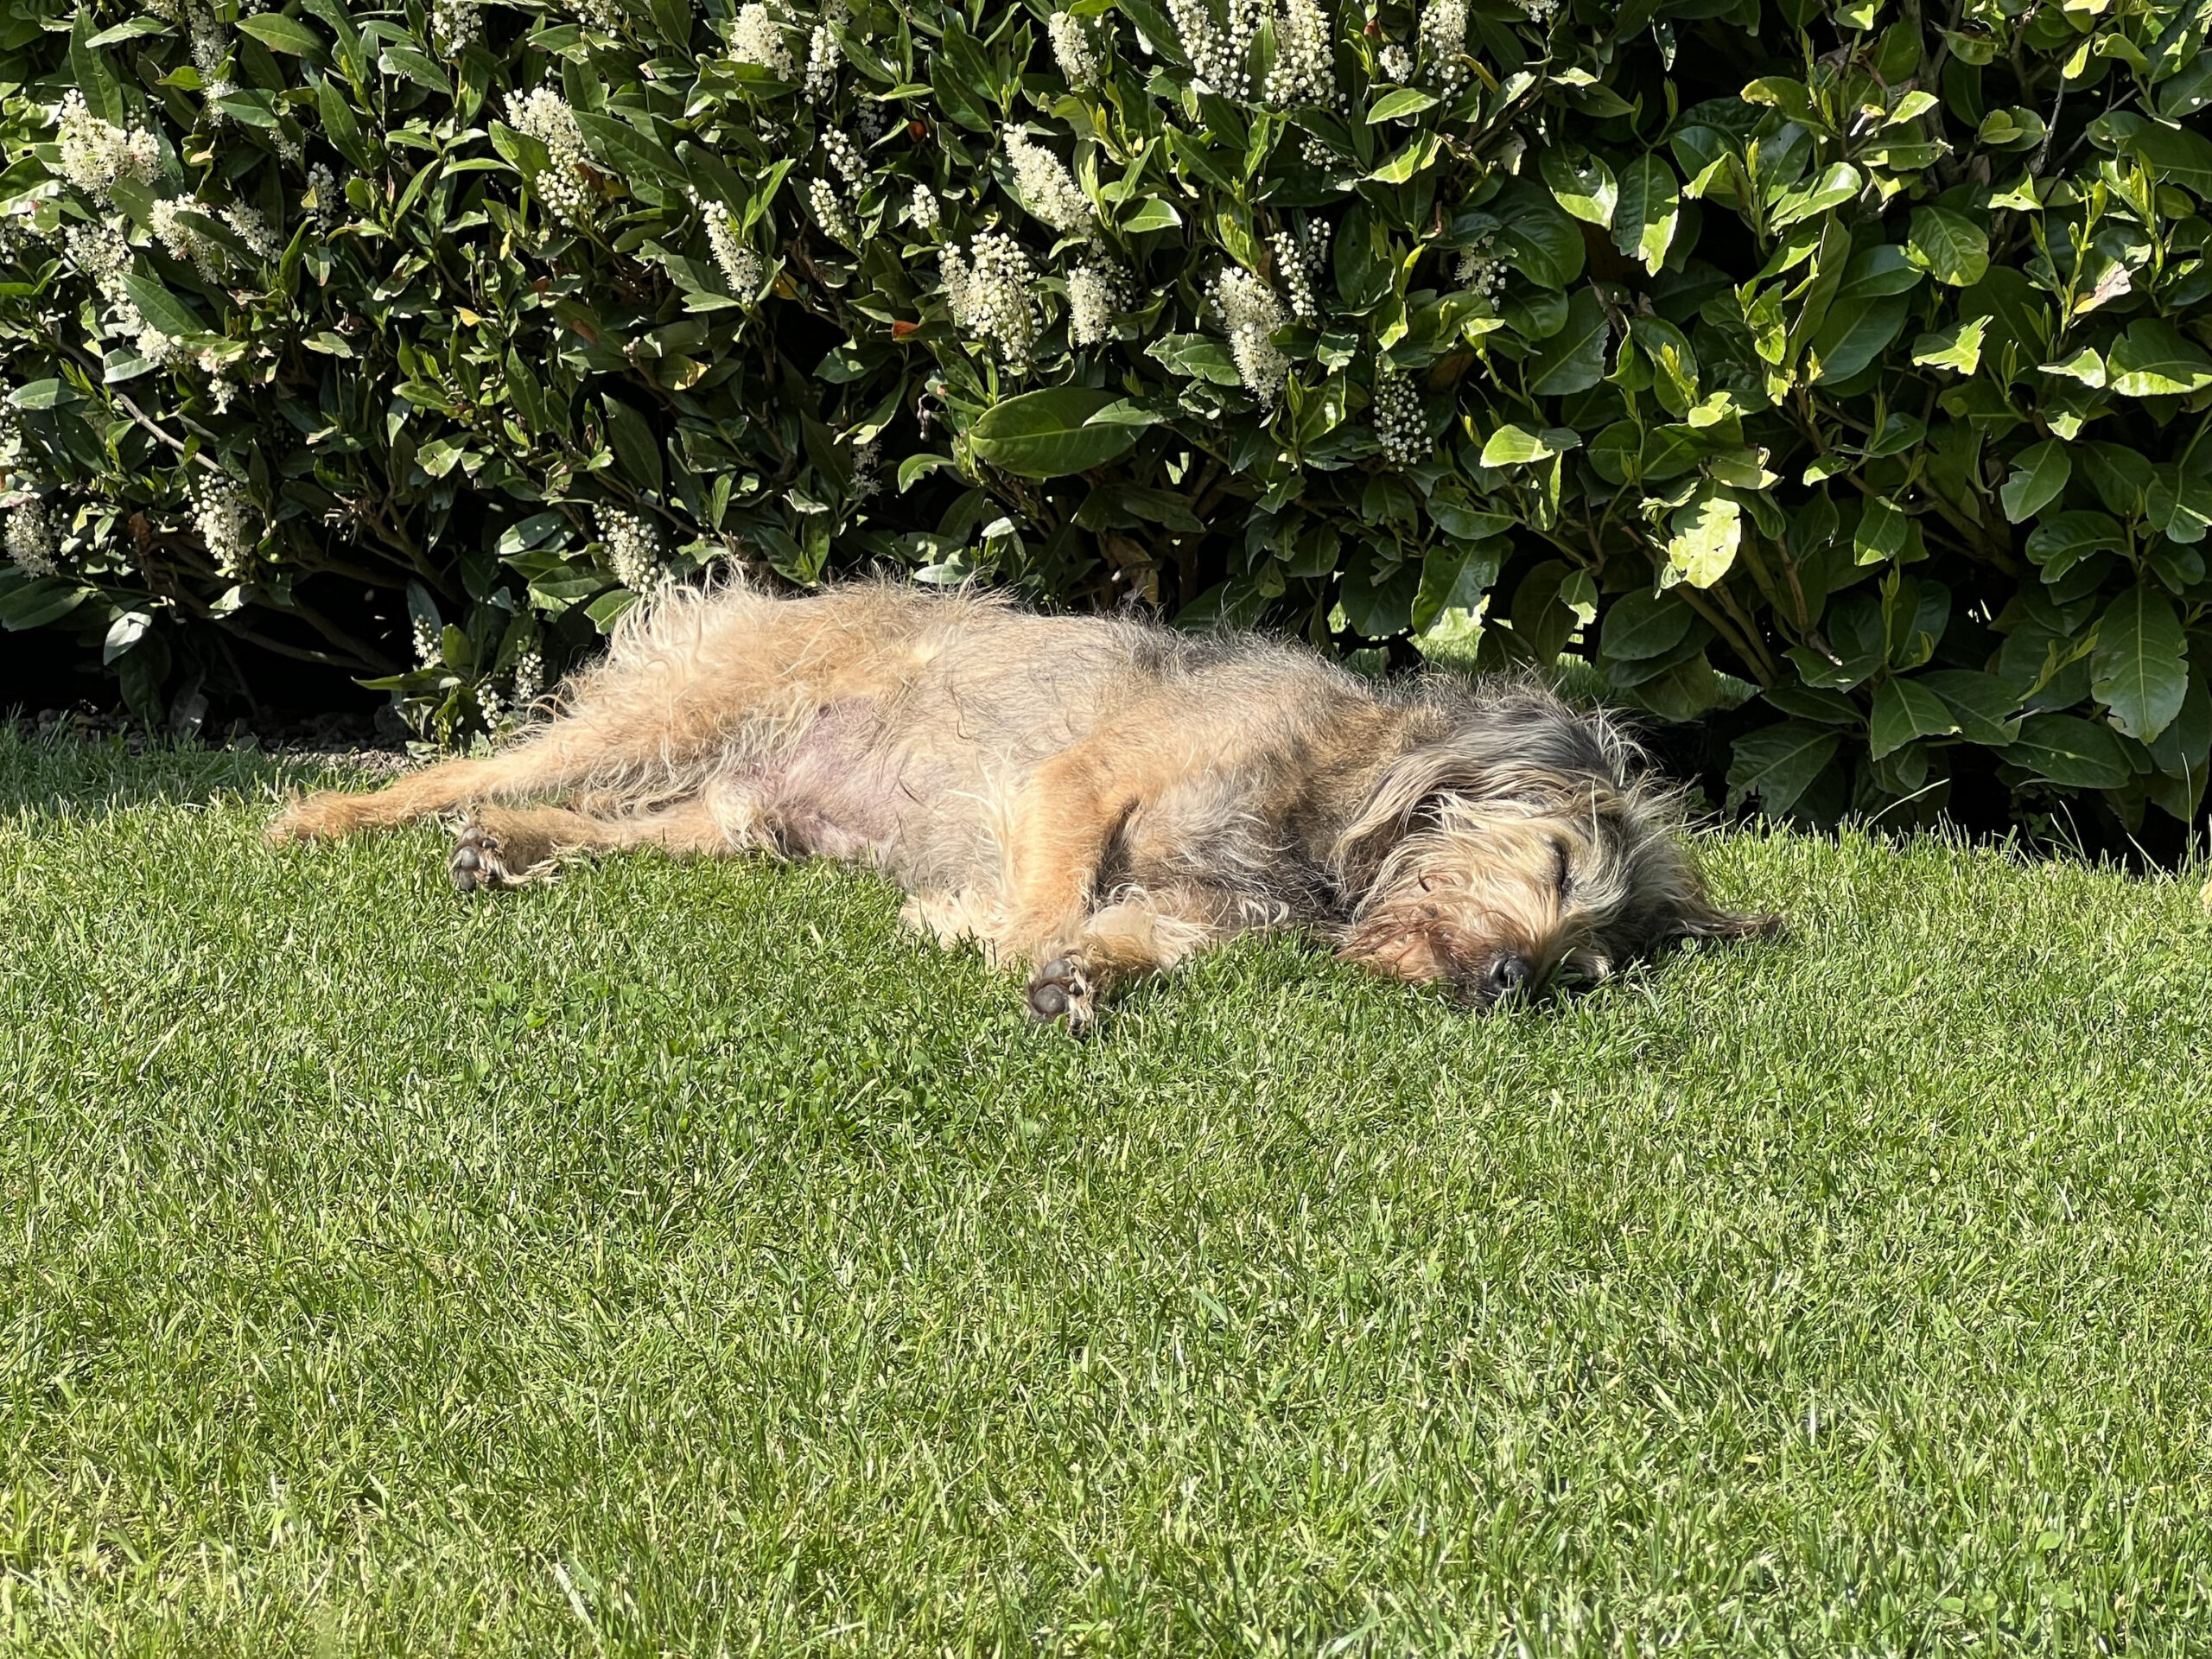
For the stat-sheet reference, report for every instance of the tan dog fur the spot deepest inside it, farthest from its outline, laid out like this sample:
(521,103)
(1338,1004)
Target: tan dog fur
(1100,797)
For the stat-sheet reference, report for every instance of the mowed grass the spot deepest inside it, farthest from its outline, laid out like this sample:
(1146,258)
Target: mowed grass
(680,1259)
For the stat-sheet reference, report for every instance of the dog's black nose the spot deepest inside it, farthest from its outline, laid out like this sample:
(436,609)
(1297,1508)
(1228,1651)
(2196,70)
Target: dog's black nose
(1508,974)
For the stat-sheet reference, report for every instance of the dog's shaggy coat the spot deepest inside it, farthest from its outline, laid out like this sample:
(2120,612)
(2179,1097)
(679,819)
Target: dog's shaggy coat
(1100,797)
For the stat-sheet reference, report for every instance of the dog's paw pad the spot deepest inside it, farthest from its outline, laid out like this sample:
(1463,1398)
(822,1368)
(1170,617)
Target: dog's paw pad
(1061,990)
(475,863)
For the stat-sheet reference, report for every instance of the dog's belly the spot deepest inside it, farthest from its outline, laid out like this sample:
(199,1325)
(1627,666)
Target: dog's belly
(847,789)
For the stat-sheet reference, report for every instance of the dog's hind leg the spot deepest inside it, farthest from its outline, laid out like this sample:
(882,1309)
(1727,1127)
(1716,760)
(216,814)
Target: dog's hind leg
(564,756)
(508,847)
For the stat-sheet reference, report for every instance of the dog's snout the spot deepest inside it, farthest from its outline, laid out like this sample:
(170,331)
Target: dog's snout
(1508,974)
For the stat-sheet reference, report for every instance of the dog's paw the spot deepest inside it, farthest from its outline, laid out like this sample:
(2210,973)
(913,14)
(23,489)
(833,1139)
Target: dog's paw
(1064,989)
(481,860)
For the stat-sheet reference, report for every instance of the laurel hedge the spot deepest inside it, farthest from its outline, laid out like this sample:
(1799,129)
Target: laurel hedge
(1852,353)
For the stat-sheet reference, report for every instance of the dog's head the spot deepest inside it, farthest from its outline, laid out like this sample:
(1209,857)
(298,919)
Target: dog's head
(1521,842)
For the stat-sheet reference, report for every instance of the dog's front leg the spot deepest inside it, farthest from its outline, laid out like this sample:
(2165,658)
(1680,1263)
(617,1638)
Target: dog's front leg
(1126,941)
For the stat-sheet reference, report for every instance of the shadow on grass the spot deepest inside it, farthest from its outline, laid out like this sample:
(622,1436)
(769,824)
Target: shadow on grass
(44,776)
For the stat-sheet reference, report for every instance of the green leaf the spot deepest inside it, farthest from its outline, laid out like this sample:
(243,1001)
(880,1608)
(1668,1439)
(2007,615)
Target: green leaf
(1573,359)
(1880,534)
(2179,503)
(1642,625)
(340,126)
(1453,579)
(1984,705)
(1779,763)
(629,152)
(1586,188)
(2177,155)
(38,602)
(1648,211)
(281,34)
(1949,246)
(2186,744)
(1407,100)
(1853,335)
(1958,349)
(162,308)
(1153,213)
(416,66)
(2039,473)
(132,28)
(2060,543)
(1538,240)
(637,451)
(1903,710)
(2072,752)
(2152,360)
(2141,667)
(1832,188)
(1515,446)
(1044,435)
(1706,533)
(90,70)
(1196,356)
(1418,151)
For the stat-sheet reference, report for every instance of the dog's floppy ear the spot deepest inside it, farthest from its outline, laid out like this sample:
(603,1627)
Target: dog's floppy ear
(1411,790)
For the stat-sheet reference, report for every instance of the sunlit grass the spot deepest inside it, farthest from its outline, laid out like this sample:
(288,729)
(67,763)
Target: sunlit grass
(680,1258)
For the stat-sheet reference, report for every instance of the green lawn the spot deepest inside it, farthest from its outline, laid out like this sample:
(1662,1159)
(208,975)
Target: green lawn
(681,1259)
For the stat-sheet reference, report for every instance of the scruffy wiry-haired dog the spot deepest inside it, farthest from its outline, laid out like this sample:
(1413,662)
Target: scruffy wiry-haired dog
(1100,797)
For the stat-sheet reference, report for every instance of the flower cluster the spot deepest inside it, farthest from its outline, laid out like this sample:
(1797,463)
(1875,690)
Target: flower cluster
(1095,292)
(211,51)
(226,522)
(529,677)
(1305,69)
(742,268)
(605,15)
(1400,426)
(1048,187)
(632,548)
(546,115)
(1481,270)
(845,155)
(1252,314)
(172,222)
(822,53)
(325,197)
(251,229)
(455,24)
(1443,42)
(1072,48)
(31,541)
(426,652)
(1219,51)
(96,153)
(830,211)
(756,37)
(921,207)
(1395,63)
(992,294)
(1298,262)
(104,257)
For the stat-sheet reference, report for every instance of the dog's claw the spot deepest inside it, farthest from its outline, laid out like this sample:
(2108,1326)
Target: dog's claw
(1061,990)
